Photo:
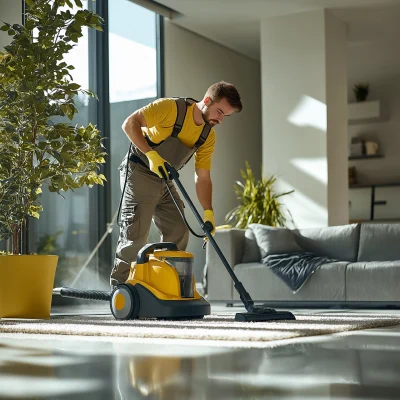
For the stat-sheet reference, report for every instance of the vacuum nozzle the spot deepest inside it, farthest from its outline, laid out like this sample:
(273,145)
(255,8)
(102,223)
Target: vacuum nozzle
(263,313)
(272,315)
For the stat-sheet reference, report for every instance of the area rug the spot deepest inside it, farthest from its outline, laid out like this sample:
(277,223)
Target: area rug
(213,327)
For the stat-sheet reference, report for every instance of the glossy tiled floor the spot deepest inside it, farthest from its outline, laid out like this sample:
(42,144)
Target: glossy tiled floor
(356,365)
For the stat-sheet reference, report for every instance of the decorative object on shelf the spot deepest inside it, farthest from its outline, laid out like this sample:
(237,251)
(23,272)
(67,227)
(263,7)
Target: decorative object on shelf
(357,147)
(362,149)
(352,175)
(371,148)
(361,91)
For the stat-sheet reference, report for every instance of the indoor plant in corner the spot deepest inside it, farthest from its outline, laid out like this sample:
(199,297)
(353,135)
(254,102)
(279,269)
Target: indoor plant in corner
(35,85)
(258,202)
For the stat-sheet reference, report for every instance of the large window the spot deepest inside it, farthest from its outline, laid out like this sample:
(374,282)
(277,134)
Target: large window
(67,226)
(133,78)
(124,75)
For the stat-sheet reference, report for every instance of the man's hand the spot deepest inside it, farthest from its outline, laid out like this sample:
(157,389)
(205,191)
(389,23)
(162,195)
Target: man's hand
(209,216)
(156,161)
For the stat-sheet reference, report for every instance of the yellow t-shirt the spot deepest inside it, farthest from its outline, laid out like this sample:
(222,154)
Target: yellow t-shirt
(160,118)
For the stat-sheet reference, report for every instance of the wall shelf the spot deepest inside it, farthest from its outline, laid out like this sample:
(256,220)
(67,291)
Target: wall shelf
(364,112)
(370,185)
(365,157)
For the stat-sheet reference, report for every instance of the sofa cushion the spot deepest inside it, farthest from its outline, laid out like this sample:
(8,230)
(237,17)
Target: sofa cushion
(337,242)
(251,251)
(379,242)
(373,281)
(272,240)
(326,283)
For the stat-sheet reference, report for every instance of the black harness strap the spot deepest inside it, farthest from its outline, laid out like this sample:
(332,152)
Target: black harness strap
(203,137)
(180,116)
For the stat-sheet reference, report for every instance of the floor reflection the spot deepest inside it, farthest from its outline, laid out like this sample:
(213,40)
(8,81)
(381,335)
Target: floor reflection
(361,364)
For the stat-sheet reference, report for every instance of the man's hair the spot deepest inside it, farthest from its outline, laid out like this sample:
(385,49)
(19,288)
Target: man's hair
(224,90)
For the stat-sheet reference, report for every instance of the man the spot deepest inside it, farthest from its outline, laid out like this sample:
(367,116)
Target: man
(158,137)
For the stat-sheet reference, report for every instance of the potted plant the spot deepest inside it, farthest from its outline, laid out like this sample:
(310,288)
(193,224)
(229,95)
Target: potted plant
(361,91)
(258,202)
(36,85)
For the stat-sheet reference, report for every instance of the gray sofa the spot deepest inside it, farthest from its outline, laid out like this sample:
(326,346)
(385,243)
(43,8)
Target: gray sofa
(367,270)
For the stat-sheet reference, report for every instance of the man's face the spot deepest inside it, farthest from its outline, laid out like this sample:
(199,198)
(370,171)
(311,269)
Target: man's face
(214,112)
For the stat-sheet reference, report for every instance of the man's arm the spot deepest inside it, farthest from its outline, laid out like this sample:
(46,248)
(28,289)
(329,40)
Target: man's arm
(132,126)
(204,188)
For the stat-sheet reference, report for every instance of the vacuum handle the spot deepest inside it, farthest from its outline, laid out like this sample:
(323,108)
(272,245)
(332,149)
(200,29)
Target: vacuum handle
(208,226)
(172,172)
(143,255)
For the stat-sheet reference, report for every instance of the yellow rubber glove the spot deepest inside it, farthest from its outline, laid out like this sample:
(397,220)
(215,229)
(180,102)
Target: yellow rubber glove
(209,216)
(156,161)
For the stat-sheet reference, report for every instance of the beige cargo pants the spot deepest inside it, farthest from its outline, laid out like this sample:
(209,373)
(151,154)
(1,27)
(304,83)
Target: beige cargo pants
(146,198)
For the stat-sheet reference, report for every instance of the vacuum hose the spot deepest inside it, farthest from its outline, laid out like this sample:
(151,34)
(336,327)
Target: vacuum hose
(83,294)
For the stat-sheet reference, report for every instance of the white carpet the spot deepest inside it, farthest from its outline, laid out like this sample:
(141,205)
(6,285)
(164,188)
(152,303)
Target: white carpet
(213,327)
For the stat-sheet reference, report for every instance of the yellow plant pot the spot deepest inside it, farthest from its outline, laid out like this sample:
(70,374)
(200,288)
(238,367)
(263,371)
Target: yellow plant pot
(26,285)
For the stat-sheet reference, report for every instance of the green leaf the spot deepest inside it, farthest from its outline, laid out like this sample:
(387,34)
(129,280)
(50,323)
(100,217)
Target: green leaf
(68,112)
(29,25)
(56,155)
(74,86)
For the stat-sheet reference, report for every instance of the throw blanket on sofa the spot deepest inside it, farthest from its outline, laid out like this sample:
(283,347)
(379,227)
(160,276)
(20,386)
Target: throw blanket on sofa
(294,268)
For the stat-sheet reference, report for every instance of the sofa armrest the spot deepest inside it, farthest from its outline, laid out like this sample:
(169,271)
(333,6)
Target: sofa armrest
(219,282)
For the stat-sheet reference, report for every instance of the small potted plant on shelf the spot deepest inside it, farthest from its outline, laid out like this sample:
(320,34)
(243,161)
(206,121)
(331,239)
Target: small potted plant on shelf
(361,91)
(36,85)
(258,202)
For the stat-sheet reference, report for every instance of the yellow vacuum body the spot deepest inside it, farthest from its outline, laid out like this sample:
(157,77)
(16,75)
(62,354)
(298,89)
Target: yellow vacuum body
(161,284)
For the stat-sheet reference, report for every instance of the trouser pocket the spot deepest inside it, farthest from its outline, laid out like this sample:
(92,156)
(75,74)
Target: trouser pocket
(130,223)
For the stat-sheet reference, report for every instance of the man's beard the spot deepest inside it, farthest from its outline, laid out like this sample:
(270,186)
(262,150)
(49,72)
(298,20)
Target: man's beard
(207,120)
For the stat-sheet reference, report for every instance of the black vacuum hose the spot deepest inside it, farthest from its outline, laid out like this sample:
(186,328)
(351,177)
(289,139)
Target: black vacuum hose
(83,294)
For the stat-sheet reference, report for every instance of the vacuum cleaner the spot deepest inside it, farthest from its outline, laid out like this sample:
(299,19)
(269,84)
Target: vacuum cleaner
(161,282)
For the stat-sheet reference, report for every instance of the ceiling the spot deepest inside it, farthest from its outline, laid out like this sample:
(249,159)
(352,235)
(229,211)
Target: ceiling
(236,23)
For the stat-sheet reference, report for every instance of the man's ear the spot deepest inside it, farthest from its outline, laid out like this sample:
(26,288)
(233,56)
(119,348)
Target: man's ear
(207,100)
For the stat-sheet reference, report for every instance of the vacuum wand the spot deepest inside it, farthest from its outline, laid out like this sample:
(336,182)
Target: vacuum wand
(207,228)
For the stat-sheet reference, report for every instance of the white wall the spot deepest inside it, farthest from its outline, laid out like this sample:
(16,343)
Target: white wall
(296,126)
(192,64)
(374,57)
(336,100)
(11,12)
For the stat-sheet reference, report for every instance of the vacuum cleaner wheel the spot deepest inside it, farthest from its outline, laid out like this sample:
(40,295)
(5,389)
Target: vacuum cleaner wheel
(124,302)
